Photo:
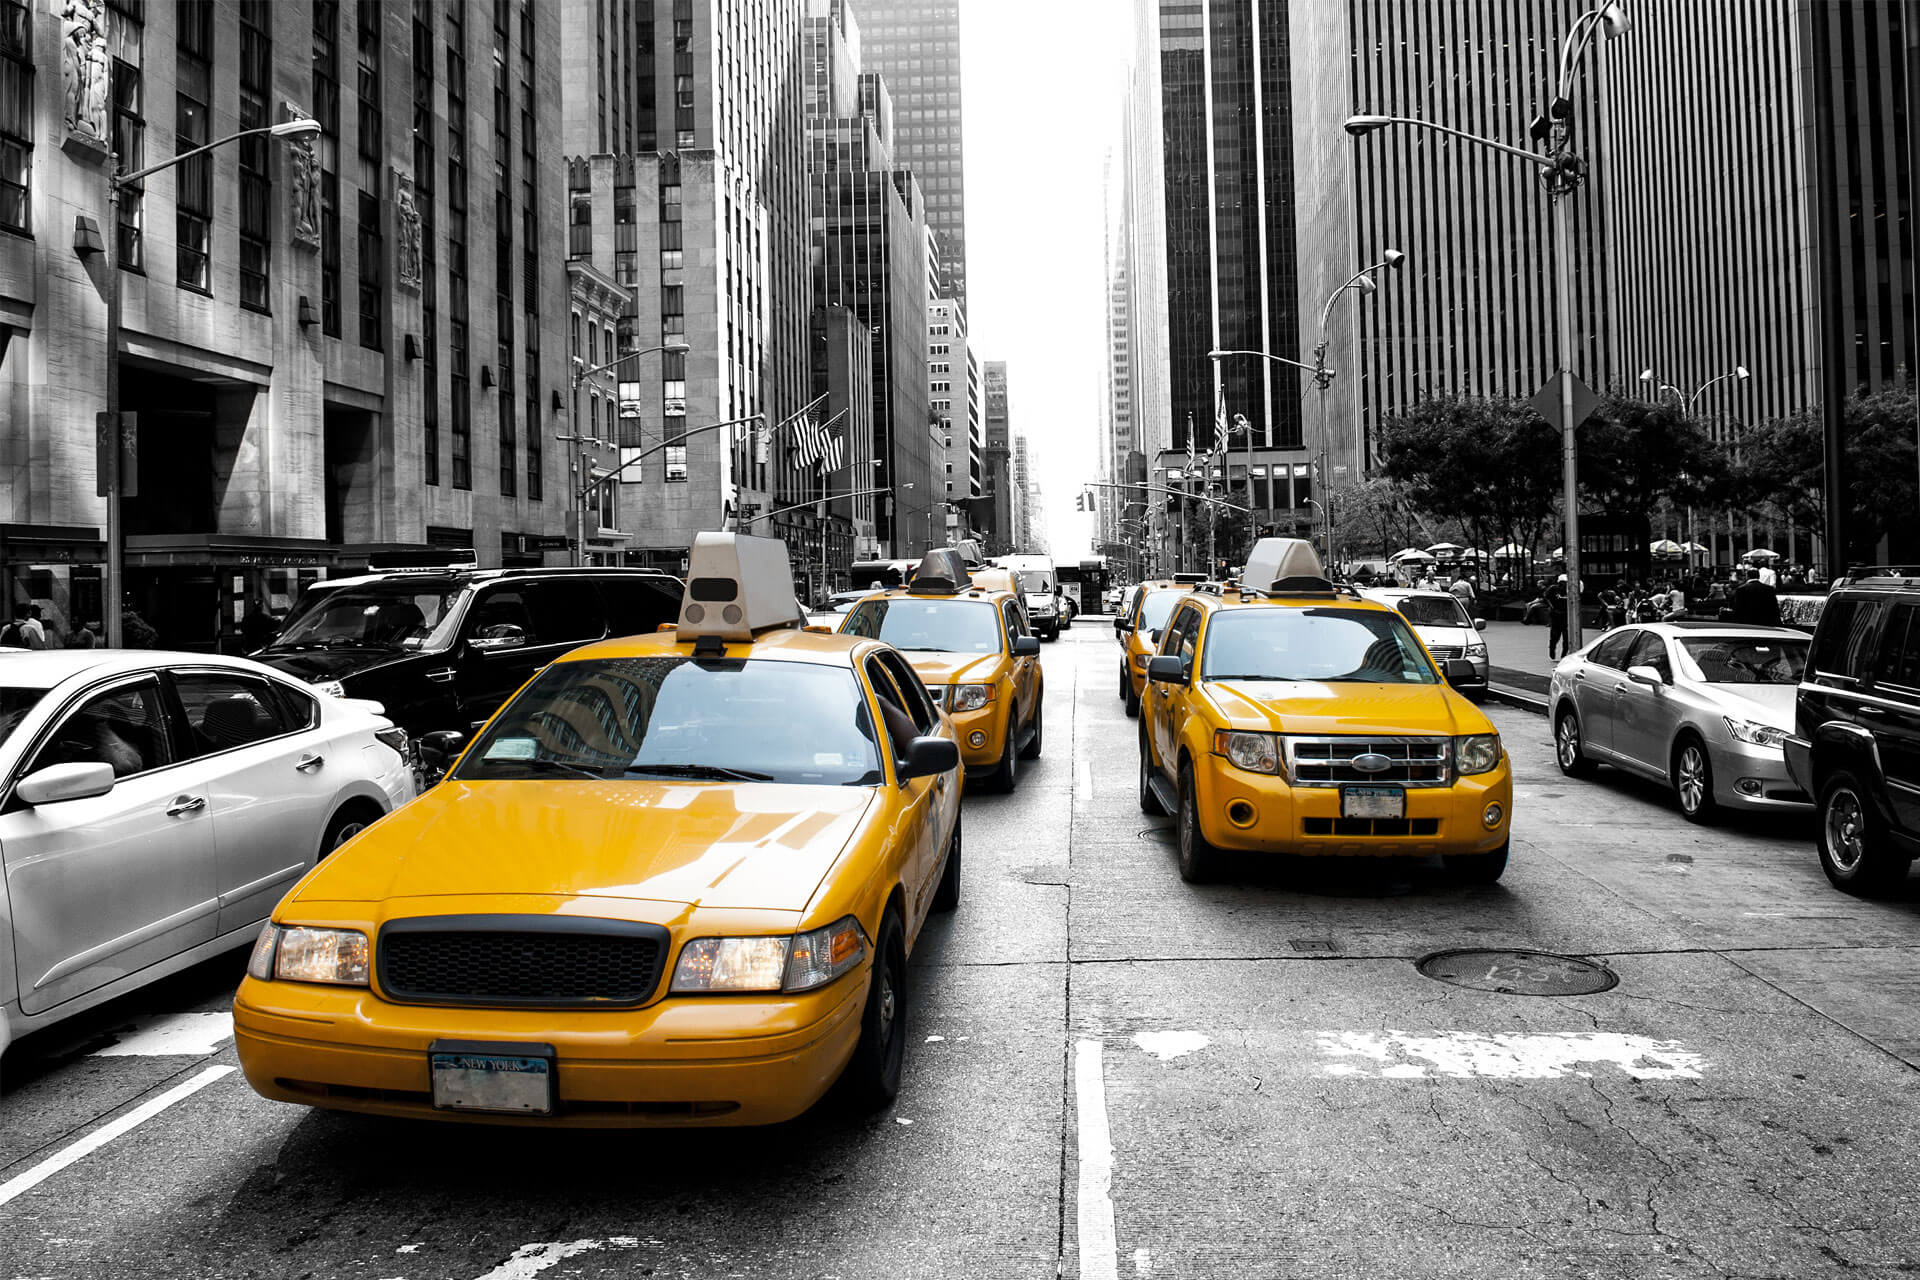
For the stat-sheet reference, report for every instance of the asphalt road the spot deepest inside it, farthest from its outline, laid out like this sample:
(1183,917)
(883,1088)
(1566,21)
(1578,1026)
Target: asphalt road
(1115,1074)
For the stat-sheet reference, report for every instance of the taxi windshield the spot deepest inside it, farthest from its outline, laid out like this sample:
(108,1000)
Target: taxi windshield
(1324,645)
(707,720)
(1742,659)
(1158,605)
(394,616)
(929,626)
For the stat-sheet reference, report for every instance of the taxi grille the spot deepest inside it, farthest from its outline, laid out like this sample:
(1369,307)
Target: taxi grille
(1329,762)
(520,961)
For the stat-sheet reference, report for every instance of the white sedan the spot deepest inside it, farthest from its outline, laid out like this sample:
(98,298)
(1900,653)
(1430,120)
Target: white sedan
(154,807)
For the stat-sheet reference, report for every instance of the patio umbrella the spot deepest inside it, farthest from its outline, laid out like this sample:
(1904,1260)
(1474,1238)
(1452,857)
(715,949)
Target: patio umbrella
(1664,547)
(1471,554)
(1444,548)
(1761,553)
(1513,551)
(1410,553)
(1558,553)
(1694,548)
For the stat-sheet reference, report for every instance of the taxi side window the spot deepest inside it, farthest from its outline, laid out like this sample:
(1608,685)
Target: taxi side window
(1011,621)
(1189,640)
(1651,651)
(899,722)
(1179,639)
(913,694)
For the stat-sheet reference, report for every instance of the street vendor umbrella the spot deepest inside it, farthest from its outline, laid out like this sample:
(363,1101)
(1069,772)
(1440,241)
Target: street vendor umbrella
(1694,549)
(1558,553)
(1513,551)
(1411,553)
(1471,554)
(1444,548)
(1664,547)
(1761,553)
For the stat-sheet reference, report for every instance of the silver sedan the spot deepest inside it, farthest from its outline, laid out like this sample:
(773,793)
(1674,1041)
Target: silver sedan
(1704,707)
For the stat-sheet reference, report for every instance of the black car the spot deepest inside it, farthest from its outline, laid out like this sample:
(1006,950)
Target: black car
(1856,741)
(442,649)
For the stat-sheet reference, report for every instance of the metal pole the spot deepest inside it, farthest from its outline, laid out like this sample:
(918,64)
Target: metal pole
(1833,333)
(1326,478)
(1569,442)
(116,483)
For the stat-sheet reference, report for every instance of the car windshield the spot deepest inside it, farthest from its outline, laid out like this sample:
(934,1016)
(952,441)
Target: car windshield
(1036,580)
(14,705)
(1330,645)
(1743,659)
(929,626)
(399,616)
(1157,607)
(710,720)
(1433,611)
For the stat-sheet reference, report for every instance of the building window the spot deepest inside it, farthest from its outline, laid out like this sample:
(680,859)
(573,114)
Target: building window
(535,479)
(256,189)
(326,109)
(193,202)
(16,113)
(367,42)
(509,441)
(125,32)
(373,250)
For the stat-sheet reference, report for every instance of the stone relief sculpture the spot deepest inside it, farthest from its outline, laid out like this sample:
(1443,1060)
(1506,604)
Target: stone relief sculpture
(406,258)
(84,68)
(306,187)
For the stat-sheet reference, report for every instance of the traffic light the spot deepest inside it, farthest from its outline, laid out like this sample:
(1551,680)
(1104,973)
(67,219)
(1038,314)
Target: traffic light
(1080,501)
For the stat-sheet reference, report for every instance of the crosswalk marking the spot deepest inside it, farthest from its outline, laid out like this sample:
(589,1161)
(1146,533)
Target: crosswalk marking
(1392,1055)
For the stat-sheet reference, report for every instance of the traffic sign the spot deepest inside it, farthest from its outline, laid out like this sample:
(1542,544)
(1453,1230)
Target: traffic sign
(1546,401)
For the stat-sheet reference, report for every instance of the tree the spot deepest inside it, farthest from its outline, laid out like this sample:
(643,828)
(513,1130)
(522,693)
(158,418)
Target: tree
(1783,464)
(1634,454)
(1369,516)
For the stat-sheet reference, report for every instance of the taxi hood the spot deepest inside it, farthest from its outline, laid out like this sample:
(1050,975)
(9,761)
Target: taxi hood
(1309,707)
(952,668)
(752,846)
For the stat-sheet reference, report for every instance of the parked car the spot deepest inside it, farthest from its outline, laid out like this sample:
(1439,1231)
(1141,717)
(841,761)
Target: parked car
(1445,627)
(1702,706)
(1855,744)
(839,605)
(154,807)
(442,649)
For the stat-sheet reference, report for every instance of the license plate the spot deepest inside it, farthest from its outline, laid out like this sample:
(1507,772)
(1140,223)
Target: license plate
(515,1079)
(1373,802)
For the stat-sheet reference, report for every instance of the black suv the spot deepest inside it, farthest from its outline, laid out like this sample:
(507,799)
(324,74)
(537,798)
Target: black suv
(1856,740)
(442,649)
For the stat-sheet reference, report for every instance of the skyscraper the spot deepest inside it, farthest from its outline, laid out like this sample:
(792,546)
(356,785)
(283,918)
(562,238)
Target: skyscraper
(997,461)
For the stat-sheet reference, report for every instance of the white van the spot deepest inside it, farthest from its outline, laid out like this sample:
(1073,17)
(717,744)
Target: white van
(1035,580)
(1445,627)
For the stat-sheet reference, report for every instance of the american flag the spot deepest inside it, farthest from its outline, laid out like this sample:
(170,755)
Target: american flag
(818,443)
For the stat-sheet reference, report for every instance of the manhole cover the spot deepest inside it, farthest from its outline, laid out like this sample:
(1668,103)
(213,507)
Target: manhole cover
(1158,835)
(1519,973)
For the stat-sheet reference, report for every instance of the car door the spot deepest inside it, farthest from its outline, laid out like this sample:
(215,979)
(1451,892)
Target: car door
(271,780)
(1644,719)
(1025,669)
(1896,713)
(516,627)
(1596,684)
(917,795)
(105,886)
(1169,699)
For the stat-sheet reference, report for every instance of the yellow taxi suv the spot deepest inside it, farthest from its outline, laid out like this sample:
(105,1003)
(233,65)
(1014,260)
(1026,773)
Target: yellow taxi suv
(1286,716)
(1143,616)
(967,636)
(674,881)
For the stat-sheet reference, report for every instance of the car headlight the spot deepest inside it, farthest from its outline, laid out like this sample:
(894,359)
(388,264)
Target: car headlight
(969,697)
(294,953)
(799,962)
(333,687)
(1254,752)
(1476,753)
(1756,735)
(1476,651)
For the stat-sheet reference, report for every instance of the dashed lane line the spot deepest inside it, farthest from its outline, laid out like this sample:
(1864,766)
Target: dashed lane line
(1095,1201)
(72,1153)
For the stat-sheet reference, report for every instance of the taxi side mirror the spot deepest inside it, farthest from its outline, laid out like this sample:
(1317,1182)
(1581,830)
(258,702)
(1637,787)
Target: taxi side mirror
(1026,646)
(1166,668)
(1120,625)
(1460,671)
(928,756)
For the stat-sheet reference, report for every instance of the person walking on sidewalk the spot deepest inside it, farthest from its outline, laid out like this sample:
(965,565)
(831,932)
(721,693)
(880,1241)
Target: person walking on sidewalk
(1556,598)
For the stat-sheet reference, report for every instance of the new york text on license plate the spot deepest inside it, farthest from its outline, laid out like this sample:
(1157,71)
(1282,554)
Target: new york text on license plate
(1373,802)
(481,1081)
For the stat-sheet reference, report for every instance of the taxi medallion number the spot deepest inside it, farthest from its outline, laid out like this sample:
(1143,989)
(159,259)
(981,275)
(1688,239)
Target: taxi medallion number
(482,1078)
(1373,802)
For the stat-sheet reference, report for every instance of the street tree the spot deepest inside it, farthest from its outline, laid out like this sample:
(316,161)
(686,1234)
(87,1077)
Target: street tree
(1635,454)
(1782,466)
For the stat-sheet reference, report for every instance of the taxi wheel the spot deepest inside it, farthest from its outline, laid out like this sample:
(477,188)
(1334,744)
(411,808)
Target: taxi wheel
(1199,860)
(1133,702)
(1032,750)
(1006,774)
(947,896)
(1149,802)
(1566,745)
(1126,685)
(1477,868)
(873,1073)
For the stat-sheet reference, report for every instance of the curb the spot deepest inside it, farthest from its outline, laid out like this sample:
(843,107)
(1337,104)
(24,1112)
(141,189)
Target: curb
(1520,698)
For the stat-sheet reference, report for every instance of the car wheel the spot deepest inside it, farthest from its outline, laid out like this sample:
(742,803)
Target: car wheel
(872,1077)
(1126,685)
(346,824)
(1692,774)
(1133,701)
(947,896)
(1006,774)
(1199,860)
(1149,802)
(1032,750)
(1477,868)
(1567,745)
(1854,849)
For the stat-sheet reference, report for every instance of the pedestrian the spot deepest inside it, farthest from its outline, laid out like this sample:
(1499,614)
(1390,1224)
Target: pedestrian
(11,637)
(1755,603)
(1556,598)
(1769,575)
(84,637)
(257,629)
(32,633)
(1609,608)
(1462,591)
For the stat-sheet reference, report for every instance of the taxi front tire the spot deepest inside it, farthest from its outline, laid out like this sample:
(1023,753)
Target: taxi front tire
(1006,774)
(1199,860)
(872,1077)
(1032,750)
(1149,802)
(947,896)
(1477,868)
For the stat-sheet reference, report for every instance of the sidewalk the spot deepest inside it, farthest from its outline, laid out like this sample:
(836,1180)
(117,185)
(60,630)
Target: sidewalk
(1518,666)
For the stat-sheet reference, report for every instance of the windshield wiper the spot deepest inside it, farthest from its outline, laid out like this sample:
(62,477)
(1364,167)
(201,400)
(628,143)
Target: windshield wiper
(715,772)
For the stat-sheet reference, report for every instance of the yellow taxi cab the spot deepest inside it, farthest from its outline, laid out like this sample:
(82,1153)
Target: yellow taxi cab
(968,638)
(1288,716)
(674,881)
(1138,626)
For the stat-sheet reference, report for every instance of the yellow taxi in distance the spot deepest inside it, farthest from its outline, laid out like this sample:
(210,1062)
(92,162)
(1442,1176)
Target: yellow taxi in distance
(1286,716)
(674,881)
(1138,628)
(967,636)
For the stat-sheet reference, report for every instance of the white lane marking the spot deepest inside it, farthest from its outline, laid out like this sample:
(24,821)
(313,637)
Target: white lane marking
(1083,777)
(73,1152)
(182,1034)
(1170,1044)
(408,1248)
(531,1259)
(1095,1202)
(935,1039)
(1399,1055)
(1142,1263)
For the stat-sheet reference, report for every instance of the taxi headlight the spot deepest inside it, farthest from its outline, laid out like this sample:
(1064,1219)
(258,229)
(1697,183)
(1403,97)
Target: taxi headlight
(1140,661)
(797,963)
(1756,735)
(332,687)
(1254,752)
(293,953)
(819,957)
(1476,753)
(969,697)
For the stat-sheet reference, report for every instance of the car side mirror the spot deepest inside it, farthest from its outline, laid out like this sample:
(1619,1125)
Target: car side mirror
(928,756)
(1026,646)
(1479,624)
(1166,668)
(1460,671)
(78,781)
(1120,625)
(501,635)
(446,743)
(1645,675)
(1153,636)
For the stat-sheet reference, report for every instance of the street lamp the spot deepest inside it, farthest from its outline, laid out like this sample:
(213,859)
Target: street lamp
(110,457)
(1686,406)
(1561,173)
(582,489)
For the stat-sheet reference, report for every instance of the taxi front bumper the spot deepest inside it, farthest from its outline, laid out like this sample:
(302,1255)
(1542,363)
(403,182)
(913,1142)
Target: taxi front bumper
(1261,813)
(682,1062)
(990,724)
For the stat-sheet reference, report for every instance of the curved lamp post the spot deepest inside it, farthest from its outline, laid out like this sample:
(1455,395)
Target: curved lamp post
(1687,401)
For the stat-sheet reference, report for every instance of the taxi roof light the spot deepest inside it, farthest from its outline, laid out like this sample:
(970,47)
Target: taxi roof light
(1288,565)
(942,571)
(737,587)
